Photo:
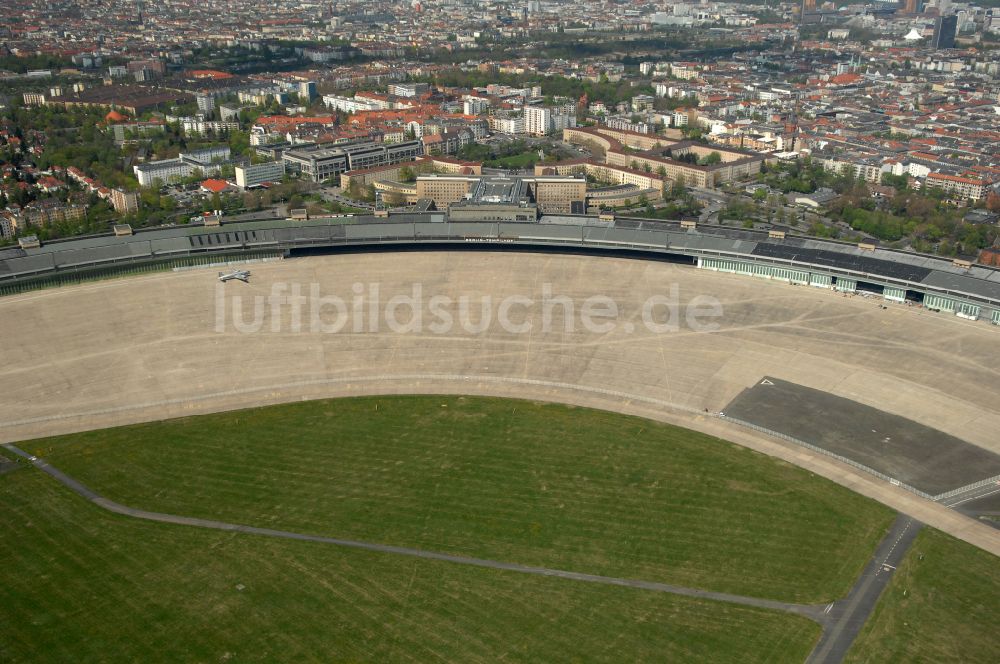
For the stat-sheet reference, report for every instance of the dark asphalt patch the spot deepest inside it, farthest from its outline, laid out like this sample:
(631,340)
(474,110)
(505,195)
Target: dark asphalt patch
(924,458)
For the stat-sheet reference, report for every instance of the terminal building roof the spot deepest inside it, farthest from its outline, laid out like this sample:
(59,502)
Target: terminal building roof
(906,269)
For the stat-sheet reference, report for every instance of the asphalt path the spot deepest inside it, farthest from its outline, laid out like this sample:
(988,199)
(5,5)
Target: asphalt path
(846,617)
(812,611)
(842,620)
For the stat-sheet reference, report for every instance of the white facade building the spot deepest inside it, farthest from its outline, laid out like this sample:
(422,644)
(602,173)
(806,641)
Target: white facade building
(206,103)
(253,175)
(196,126)
(543,120)
(475,106)
(163,171)
(170,170)
(349,105)
(537,120)
(508,125)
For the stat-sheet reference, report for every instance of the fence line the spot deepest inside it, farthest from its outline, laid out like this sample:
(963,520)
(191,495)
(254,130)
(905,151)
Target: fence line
(968,487)
(113,271)
(238,261)
(843,459)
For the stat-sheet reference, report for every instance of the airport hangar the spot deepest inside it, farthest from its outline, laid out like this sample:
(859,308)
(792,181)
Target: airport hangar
(951,286)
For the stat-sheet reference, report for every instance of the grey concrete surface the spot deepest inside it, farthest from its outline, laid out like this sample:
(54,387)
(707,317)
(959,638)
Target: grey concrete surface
(146,348)
(813,612)
(915,454)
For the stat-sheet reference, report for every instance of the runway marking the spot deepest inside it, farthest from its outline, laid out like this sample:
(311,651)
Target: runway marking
(977,497)
(885,564)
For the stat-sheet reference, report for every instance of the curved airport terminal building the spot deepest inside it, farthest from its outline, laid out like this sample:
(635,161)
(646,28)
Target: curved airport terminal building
(953,286)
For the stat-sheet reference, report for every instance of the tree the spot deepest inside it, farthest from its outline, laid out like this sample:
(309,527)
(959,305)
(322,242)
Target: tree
(711,158)
(679,188)
(252,201)
(993,202)
(393,199)
(898,182)
(239,142)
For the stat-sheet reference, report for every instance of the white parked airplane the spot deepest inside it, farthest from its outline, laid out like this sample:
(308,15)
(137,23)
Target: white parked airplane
(242,275)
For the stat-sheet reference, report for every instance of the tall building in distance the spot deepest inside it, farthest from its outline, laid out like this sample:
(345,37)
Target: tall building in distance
(543,120)
(307,90)
(206,103)
(807,9)
(125,202)
(944,31)
(912,7)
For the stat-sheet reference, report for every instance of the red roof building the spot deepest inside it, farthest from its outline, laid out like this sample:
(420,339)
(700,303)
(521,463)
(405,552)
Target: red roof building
(215,186)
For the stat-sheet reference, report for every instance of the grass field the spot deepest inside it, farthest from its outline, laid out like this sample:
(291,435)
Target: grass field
(79,584)
(547,485)
(943,605)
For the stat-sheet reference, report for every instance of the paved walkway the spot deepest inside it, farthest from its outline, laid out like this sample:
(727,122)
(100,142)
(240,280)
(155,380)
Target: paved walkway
(848,616)
(811,611)
(842,620)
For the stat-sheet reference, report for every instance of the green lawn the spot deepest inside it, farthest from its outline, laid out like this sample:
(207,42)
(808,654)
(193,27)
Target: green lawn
(526,159)
(79,584)
(943,605)
(549,485)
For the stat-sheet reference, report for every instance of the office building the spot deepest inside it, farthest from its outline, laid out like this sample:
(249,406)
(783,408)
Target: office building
(944,32)
(249,176)
(321,163)
(307,91)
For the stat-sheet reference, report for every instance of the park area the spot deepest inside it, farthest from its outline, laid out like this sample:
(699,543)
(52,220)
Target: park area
(514,481)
